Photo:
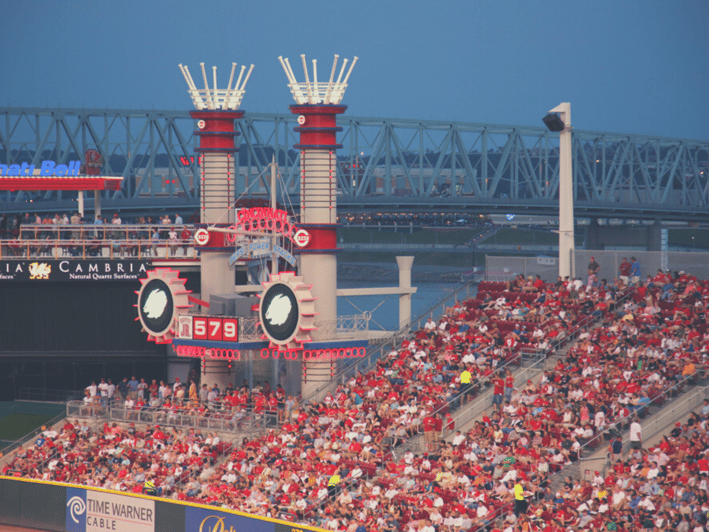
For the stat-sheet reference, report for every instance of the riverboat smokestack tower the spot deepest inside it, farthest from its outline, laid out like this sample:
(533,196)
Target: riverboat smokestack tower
(216,113)
(317,104)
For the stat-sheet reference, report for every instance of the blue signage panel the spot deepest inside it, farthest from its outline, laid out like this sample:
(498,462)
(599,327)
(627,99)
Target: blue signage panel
(75,510)
(213,520)
(48,168)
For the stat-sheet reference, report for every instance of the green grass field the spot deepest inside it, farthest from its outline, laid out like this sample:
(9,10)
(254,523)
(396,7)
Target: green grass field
(18,418)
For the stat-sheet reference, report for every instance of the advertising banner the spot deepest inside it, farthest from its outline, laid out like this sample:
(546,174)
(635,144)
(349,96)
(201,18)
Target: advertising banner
(72,270)
(66,508)
(213,520)
(97,511)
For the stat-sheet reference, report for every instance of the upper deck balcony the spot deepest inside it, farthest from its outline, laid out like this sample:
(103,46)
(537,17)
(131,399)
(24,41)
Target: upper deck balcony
(82,241)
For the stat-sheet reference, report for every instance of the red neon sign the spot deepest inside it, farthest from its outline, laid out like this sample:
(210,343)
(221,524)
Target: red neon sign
(262,219)
(198,351)
(315,354)
(188,161)
(221,353)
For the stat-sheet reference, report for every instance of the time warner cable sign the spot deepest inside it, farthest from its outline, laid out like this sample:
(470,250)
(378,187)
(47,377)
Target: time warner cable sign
(96,511)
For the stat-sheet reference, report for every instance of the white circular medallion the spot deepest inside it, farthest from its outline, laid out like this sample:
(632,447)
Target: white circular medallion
(301,238)
(286,311)
(301,120)
(160,300)
(201,236)
(201,124)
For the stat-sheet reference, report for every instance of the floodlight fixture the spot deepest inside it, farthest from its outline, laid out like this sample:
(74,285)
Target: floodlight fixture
(553,122)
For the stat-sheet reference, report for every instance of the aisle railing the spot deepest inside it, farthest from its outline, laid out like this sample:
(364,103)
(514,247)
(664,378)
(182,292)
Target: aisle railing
(365,363)
(217,419)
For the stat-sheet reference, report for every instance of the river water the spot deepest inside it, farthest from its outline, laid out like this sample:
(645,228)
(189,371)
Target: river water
(385,309)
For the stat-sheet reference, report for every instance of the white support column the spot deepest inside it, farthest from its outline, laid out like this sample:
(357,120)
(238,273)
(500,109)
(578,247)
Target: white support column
(97,203)
(566,194)
(80,201)
(405,264)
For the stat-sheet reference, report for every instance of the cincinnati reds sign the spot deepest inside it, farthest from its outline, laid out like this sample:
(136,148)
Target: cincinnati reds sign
(263,219)
(201,237)
(301,238)
(257,219)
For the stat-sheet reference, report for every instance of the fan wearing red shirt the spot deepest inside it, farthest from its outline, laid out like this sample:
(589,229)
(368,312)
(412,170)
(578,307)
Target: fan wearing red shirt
(549,414)
(259,403)
(437,431)
(498,384)
(509,386)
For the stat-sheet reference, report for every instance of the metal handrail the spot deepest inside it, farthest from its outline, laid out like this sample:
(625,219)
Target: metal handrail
(534,368)
(223,421)
(620,422)
(74,241)
(480,382)
(342,327)
(394,338)
(584,323)
(341,486)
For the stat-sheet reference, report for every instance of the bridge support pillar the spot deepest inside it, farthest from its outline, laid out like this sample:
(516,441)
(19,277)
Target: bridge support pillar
(654,237)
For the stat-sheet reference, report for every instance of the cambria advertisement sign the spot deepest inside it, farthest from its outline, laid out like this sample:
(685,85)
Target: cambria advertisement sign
(39,270)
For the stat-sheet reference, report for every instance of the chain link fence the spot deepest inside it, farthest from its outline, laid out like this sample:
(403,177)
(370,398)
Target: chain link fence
(505,268)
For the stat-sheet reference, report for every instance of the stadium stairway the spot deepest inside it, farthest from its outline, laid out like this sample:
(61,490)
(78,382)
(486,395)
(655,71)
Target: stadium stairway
(656,422)
(483,235)
(481,405)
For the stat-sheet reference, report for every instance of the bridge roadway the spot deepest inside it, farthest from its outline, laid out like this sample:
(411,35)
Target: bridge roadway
(347,205)
(531,206)
(385,165)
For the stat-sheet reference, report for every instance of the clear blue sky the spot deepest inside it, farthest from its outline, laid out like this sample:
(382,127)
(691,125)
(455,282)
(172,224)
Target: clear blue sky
(633,66)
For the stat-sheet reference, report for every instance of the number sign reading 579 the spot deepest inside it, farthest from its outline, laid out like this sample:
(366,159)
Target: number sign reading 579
(215,329)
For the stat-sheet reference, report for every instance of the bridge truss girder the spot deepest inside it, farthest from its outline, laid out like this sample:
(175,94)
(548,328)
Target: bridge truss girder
(385,164)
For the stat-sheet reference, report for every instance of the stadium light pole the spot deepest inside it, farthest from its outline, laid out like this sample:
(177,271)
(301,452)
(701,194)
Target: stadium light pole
(559,120)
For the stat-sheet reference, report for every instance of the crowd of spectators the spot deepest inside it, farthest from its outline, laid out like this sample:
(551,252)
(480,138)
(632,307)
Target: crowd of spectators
(117,457)
(340,463)
(174,403)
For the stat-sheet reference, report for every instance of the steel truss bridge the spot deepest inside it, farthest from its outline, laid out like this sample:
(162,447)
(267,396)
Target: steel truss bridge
(385,165)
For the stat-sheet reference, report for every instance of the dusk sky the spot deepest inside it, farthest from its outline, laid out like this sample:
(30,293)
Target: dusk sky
(637,66)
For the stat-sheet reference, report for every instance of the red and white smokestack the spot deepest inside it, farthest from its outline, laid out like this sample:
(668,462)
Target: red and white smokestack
(216,113)
(217,110)
(317,104)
